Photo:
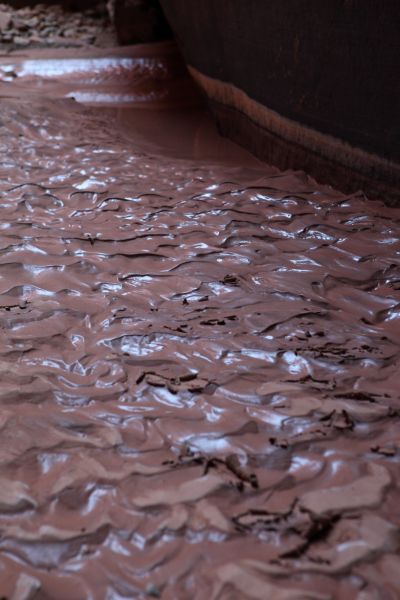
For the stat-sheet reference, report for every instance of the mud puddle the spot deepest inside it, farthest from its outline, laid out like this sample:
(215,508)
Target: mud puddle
(199,354)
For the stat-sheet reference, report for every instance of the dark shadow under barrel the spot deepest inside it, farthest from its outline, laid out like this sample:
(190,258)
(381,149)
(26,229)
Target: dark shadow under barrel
(302,83)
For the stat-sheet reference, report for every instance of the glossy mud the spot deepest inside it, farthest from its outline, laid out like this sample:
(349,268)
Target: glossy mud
(199,362)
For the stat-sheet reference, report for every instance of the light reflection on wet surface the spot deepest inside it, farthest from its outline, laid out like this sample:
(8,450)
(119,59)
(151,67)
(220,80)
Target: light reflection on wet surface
(199,364)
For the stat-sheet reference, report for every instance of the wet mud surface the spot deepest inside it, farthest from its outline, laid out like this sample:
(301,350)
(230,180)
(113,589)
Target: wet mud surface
(199,364)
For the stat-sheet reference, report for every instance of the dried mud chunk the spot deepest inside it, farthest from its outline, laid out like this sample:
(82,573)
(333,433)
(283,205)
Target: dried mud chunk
(384,450)
(195,385)
(14,496)
(82,468)
(298,531)
(256,519)
(338,420)
(233,463)
(153,591)
(189,491)
(155,380)
(363,539)
(365,492)
(298,406)
(95,533)
(230,280)
(26,587)
(213,322)
(284,444)
(352,541)
(384,570)
(251,584)
(234,466)
(5,20)
(360,410)
(177,518)
(189,382)
(212,516)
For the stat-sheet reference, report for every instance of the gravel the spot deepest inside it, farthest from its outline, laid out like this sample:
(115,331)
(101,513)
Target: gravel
(52,26)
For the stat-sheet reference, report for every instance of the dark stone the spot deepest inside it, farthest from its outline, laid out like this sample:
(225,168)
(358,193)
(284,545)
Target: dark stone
(139,21)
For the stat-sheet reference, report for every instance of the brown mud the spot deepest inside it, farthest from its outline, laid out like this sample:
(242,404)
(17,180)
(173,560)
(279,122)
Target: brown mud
(199,354)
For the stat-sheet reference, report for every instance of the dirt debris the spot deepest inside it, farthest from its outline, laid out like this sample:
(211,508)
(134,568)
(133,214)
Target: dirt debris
(53,26)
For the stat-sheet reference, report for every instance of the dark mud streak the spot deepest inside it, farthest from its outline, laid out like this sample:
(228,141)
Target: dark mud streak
(199,374)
